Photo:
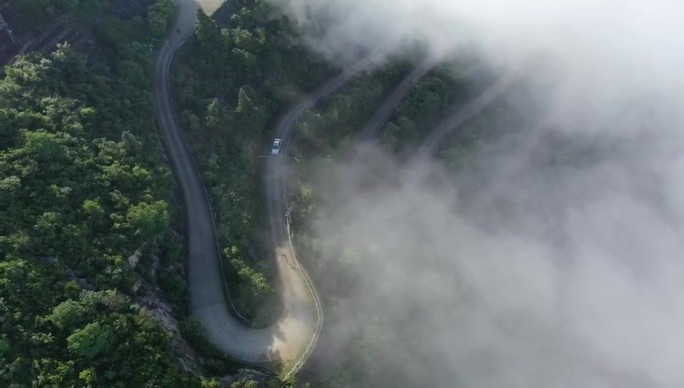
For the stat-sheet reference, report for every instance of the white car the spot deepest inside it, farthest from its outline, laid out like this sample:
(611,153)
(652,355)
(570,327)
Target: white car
(275,150)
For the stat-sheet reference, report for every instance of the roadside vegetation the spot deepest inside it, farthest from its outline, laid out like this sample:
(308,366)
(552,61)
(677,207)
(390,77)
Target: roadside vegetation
(231,83)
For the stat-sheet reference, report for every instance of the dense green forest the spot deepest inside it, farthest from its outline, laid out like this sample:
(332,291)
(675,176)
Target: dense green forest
(82,189)
(88,230)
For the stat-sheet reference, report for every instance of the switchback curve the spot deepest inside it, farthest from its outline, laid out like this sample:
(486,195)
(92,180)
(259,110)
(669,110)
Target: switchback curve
(285,340)
(291,338)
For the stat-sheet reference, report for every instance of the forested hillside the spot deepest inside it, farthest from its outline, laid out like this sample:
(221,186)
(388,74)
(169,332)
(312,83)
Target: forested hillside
(83,187)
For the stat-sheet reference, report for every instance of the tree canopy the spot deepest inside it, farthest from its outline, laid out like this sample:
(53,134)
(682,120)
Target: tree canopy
(82,188)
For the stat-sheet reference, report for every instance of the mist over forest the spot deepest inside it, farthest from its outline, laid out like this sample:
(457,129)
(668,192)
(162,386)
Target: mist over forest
(556,259)
(539,245)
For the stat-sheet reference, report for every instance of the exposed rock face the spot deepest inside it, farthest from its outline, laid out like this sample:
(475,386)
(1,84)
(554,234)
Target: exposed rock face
(134,259)
(136,286)
(152,300)
(245,375)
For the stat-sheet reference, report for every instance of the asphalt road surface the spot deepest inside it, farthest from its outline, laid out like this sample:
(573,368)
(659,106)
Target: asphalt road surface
(286,339)
(375,124)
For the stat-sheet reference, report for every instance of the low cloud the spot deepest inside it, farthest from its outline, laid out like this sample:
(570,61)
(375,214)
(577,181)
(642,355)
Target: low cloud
(556,262)
(592,60)
(518,275)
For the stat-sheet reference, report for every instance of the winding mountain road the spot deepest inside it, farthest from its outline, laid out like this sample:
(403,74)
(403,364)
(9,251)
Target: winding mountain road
(285,340)
(461,114)
(290,339)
